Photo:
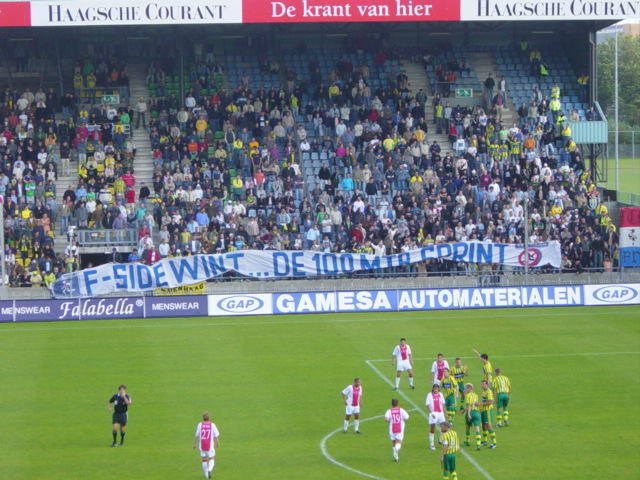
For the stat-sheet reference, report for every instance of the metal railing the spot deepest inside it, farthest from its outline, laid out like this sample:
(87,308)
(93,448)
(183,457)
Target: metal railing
(94,95)
(107,238)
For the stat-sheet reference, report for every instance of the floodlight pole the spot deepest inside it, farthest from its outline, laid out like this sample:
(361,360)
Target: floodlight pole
(617,133)
(3,273)
(526,240)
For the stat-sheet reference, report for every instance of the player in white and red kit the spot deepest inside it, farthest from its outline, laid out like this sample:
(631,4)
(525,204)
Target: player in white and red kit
(436,406)
(396,417)
(403,361)
(352,397)
(207,437)
(437,369)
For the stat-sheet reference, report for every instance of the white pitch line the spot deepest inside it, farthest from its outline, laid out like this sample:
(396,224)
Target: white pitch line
(477,466)
(325,453)
(323,449)
(231,324)
(593,354)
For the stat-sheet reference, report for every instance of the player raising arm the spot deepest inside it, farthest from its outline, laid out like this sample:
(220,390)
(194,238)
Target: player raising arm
(486,366)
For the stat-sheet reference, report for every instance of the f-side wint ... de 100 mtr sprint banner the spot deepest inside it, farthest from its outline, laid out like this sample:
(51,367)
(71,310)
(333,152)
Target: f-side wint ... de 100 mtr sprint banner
(174,272)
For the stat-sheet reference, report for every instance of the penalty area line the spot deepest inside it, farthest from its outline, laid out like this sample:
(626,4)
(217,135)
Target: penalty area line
(469,458)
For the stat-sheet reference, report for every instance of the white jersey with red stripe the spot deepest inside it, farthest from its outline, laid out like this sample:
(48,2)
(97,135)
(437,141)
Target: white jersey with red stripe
(435,404)
(402,352)
(206,432)
(438,370)
(353,394)
(396,417)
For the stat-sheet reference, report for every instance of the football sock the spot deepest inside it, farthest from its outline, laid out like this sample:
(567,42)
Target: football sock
(398,447)
(211,464)
(493,436)
(499,416)
(411,381)
(205,467)
(356,425)
(451,413)
(468,432)
(478,439)
(431,439)
(454,476)
(115,436)
(346,425)
(506,415)
(484,434)
(397,382)
(445,475)
(121,437)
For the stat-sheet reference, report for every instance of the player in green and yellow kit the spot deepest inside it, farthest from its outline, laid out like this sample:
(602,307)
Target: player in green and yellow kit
(486,406)
(460,371)
(472,416)
(450,447)
(448,387)
(502,387)
(486,366)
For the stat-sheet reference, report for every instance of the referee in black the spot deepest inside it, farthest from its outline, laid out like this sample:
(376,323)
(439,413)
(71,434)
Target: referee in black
(121,402)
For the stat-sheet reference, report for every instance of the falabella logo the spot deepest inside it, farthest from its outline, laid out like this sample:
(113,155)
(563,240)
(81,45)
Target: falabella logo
(615,294)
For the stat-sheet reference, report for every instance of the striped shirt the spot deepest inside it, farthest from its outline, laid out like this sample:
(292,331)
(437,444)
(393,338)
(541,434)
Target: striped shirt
(458,373)
(448,385)
(486,370)
(487,396)
(501,384)
(471,399)
(450,440)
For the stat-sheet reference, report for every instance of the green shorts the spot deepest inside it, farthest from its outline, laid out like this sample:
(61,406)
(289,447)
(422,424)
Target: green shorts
(475,418)
(461,387)
(449,462)
(450,401)
(486,416)
(503,400)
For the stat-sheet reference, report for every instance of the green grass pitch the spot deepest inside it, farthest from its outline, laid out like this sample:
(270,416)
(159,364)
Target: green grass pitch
(273,385)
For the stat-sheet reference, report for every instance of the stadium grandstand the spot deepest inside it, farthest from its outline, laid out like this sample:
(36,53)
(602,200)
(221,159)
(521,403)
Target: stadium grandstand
(149,131)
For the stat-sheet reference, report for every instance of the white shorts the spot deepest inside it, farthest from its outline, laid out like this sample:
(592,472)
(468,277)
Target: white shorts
(211,453)
(403,366)
(352,410)
(396,437)
(439,418)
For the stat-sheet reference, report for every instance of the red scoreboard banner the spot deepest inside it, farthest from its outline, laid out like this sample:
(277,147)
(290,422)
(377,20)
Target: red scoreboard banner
(300,11)
(15,14)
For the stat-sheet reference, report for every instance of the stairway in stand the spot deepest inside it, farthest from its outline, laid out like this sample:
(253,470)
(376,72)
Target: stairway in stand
(484,63)
(143,163)
(418,80)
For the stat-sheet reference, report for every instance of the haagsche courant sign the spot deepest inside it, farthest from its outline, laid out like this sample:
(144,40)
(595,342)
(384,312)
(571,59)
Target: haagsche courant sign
(20,311)
(161,12)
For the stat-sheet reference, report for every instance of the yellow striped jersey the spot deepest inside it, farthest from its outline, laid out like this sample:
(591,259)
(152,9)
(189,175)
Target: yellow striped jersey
(471,399)
(501,384)
(448,385)
(486,370)
(458,373)
(450,440)
(487,396)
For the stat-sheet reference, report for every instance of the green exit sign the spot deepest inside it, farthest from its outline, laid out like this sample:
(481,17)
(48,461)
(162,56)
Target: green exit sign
(111,99)
(464,92)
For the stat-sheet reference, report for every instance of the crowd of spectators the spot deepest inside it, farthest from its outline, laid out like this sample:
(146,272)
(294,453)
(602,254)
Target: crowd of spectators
(326,165)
